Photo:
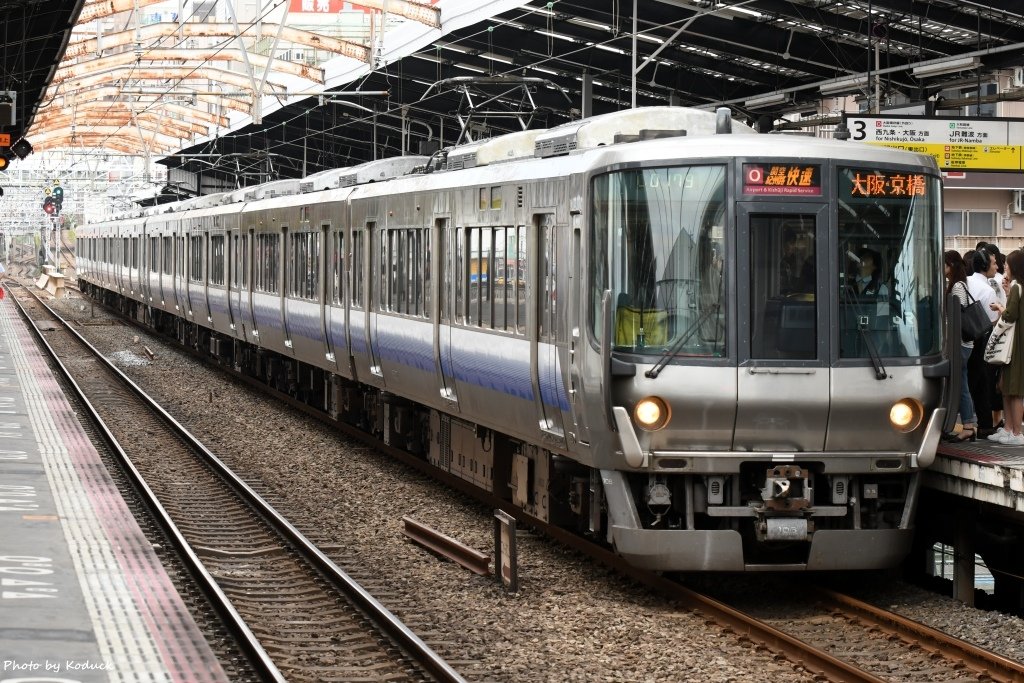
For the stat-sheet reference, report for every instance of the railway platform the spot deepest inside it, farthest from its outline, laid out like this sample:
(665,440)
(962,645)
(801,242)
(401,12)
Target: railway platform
(83,596)
(982,471)
(973,501)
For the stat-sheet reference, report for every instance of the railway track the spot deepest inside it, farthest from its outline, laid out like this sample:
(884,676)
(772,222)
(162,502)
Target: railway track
(818,634)
(298,616)
(877,644)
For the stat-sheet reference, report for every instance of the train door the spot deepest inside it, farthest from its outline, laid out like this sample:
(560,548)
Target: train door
(548,383)
(166,267)
(234,277)
(782,266)
(180,292)
(289,276)
(146,266)
(379,274)
(445,265)
(332,311)
(577,415)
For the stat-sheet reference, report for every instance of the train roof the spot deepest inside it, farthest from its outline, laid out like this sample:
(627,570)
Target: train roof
(324,180)
(672,134)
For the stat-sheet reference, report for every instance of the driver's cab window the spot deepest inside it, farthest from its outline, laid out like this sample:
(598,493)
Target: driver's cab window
(658,247)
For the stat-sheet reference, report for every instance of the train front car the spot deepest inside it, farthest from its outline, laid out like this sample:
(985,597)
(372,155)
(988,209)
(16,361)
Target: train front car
(767,315)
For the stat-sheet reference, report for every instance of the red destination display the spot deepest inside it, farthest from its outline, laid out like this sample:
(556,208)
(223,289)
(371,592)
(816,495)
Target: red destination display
(782,179)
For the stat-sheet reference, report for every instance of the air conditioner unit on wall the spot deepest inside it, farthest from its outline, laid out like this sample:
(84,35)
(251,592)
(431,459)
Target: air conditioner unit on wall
(1018,201)
(1018,77)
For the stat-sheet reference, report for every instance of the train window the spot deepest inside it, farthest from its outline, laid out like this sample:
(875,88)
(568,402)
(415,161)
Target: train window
(408,259)
(479,254)
(889,257)
(444,253)
(495,197)
(216,259)
(242,259)
(195,266)
(267,256)
(135,253)
(485,198)
(304,282)
(489,277)
(657,241)
(337,269)
(461,277)
(125,252)
(154,262)
(383,269)
(179,257)
(358,266)
(548,298)
(168,255)
(783,271)
(236,242)
(394,288)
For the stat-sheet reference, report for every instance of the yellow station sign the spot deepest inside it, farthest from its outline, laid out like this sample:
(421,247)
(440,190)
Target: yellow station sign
(955,144)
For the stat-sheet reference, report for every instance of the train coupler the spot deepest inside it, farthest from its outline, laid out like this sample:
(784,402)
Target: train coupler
(787,496)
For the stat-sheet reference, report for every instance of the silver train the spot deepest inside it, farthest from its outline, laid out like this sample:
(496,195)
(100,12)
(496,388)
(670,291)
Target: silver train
(708,348)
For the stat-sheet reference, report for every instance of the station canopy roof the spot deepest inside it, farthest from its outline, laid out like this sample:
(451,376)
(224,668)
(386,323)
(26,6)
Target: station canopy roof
(458,70)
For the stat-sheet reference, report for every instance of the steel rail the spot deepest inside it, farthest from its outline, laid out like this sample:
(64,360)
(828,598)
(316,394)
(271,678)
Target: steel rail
(473,560)
(260,661)
(422,653)
(978,660)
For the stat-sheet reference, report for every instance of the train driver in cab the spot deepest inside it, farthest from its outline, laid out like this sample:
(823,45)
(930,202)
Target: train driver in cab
(867,281)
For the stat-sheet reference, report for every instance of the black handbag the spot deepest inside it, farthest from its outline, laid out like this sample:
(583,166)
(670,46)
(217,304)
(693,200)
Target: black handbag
(974,320)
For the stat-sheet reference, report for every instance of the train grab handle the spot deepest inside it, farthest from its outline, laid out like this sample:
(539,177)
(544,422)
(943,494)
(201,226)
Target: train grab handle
(607,324)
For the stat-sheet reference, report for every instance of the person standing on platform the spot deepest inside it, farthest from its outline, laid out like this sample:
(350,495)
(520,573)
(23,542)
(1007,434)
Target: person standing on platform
(996,398)
(1013,373)
(982,375)
(956,284)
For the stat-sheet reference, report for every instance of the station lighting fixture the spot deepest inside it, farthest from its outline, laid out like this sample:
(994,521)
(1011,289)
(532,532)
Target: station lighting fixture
(767,100)
(947,66)
(844,85)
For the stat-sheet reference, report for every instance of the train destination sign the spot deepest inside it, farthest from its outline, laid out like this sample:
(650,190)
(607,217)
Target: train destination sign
(782,179)
(861,183)
(956,144)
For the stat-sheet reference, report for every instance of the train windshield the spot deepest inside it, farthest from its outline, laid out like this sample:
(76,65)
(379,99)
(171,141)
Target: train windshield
(889,253)
(659,241)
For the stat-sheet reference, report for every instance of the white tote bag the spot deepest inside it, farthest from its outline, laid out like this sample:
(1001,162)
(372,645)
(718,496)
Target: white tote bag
(1000,342)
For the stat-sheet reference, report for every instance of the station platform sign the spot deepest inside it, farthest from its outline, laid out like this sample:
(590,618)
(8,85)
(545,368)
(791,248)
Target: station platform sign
(956,144)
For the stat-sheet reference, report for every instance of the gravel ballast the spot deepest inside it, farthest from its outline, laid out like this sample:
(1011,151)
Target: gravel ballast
(570,621)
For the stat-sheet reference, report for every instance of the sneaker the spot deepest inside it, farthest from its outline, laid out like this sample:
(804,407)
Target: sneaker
(998,434)
(1012,440)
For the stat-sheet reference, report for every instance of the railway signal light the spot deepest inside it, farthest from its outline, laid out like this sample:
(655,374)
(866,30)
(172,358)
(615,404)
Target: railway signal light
(5,159)
(53,199)
(48,206)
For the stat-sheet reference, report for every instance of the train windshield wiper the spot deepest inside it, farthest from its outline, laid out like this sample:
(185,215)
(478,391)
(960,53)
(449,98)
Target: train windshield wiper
(876,360)
(678,344)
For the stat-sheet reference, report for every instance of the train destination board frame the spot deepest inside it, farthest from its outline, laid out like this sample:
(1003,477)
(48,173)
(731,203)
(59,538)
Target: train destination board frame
(956,143)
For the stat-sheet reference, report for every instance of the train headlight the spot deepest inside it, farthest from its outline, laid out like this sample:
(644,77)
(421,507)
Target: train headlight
(906,414)
(651,413)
